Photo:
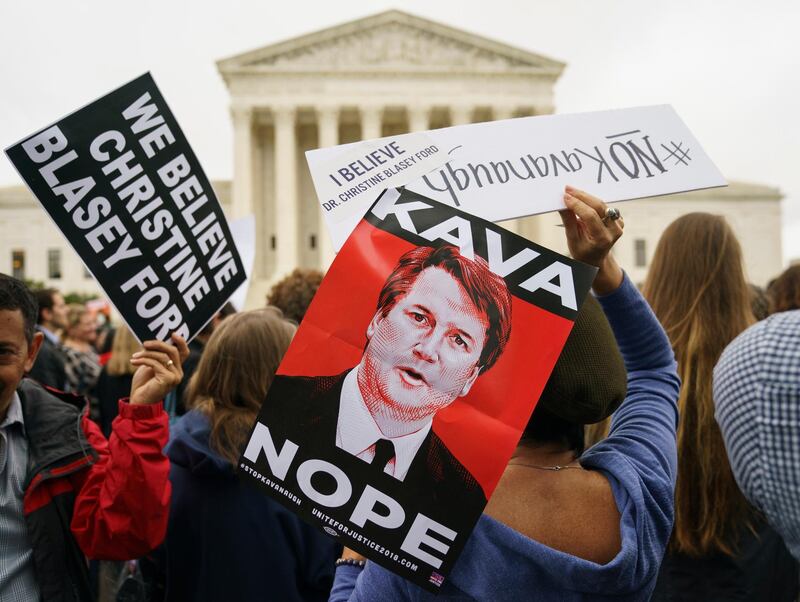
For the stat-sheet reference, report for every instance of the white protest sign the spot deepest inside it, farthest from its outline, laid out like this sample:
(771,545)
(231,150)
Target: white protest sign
(348,178)
(243,231)
(517,167)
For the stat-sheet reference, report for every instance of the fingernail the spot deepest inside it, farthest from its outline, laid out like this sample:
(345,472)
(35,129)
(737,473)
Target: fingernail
(136,355)
(569,188)
(567,197)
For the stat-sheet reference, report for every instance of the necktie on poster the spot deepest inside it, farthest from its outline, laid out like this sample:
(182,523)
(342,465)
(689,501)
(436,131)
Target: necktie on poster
(434,331)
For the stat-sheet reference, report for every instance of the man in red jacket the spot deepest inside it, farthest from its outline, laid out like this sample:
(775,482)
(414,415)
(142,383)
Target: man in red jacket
(66,493)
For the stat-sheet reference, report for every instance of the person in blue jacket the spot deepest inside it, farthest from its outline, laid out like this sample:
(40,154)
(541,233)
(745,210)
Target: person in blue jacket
(564,523)
(227,540)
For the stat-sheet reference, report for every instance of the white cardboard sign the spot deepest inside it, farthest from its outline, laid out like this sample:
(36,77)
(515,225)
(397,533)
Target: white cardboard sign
(348,178)
(517,167)
(243,231)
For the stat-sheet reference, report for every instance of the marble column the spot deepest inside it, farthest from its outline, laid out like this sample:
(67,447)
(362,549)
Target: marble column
(286,206)
(502,112)
(460,115)
(242,194)
(328,128)
(371,122)
(418,118)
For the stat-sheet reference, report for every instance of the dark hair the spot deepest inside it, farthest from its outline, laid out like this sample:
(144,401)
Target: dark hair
(293,294)
(759,302)
(784,291)
(486,290)
(227,310)
(14,295)
(545,427)
(45,300)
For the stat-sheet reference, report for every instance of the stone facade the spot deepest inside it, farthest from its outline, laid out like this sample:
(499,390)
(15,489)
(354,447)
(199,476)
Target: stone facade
(28,233)
(752,210)
(381,75)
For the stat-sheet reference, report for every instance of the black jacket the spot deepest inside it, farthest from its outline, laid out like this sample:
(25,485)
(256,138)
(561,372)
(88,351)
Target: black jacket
(49,366)
(761,570)
(227,541)
(57,449)
(308,409)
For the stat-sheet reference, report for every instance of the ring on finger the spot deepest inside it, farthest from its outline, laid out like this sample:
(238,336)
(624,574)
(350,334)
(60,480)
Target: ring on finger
(612,214)
(169,363)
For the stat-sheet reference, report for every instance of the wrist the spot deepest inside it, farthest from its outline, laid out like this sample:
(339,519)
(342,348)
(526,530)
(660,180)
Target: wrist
(609,276)
(138,401)
(348,554)
(350,562)
(139,411)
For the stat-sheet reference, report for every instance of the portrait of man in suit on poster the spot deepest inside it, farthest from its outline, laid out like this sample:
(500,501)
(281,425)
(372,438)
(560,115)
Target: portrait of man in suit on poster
(441,321)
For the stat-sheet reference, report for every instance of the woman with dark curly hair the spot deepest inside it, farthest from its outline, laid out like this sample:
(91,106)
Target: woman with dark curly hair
(293,294)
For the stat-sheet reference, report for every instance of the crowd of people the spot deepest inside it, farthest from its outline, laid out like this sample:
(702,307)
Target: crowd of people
(662,460)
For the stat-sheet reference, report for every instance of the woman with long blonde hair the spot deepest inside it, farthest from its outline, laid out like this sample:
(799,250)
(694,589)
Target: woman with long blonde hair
(116,377)
(720,548)
(227,541)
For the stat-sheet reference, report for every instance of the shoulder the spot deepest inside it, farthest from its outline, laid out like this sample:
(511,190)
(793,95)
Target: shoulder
(313,385)
(443,467)
(571,511)
(305,402)
(192,425)
(295,393)
(51,418)
(51,350)
(40,401)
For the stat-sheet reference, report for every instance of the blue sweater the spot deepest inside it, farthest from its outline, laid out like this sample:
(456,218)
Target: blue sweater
(638,458)
(228,541)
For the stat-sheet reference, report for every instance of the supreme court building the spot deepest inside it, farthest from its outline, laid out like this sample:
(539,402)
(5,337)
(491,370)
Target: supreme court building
(393,73)
(382,75)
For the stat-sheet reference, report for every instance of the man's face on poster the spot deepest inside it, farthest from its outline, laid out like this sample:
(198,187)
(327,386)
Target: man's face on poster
(424,352)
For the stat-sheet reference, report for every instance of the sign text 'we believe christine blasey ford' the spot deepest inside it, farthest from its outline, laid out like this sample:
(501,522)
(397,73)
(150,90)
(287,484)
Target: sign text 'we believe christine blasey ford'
(121,182)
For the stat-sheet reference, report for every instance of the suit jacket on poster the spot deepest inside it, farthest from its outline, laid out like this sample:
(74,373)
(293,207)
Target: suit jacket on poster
(307,407)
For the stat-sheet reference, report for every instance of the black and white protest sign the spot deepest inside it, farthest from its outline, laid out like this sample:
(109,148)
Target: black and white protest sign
(121,182)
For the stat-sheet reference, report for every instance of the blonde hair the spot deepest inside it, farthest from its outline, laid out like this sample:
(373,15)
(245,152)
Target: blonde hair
(234,374)
(123,347)
(75,311)
(697,289)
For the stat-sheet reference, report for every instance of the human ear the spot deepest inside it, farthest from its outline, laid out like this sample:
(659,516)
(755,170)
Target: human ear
(470,381)
(33,351)
(373,324)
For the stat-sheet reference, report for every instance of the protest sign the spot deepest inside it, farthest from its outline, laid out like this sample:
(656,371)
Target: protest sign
(121,182)
(350,177)
(408,384)
(517,167)
(243,231)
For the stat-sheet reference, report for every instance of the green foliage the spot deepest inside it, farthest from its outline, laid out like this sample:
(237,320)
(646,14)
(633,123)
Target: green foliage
(79,298)
(34,285)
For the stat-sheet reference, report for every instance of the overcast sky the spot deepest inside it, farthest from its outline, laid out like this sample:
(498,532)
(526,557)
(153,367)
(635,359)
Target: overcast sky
(731,69)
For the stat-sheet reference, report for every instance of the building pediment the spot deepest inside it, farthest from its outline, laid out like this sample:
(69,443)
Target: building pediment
(392,41)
